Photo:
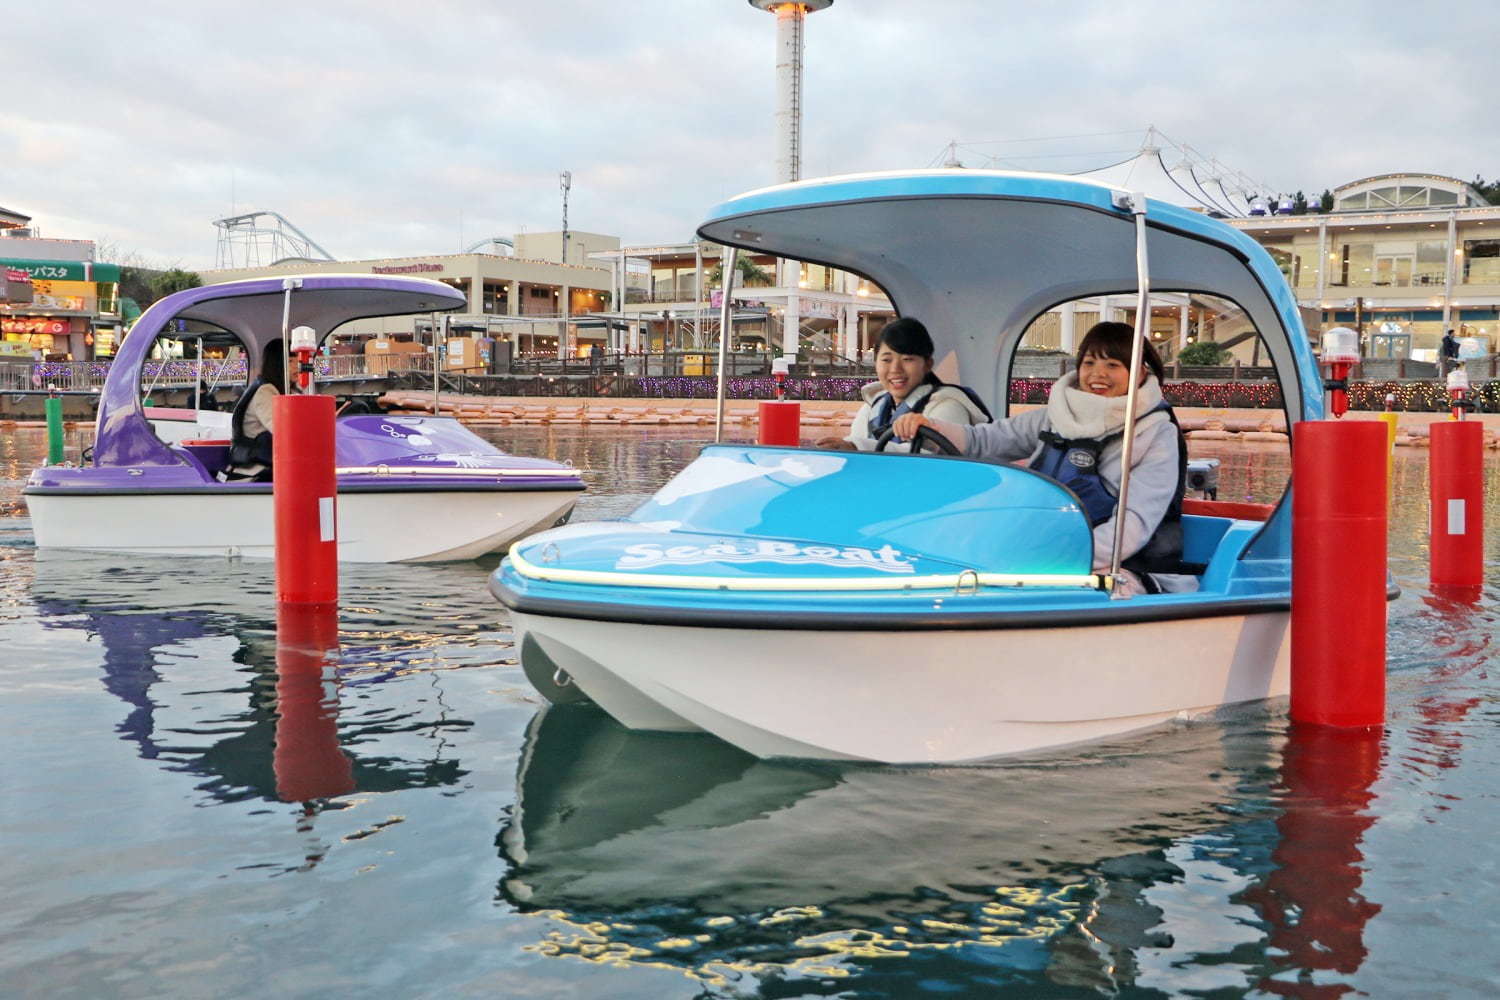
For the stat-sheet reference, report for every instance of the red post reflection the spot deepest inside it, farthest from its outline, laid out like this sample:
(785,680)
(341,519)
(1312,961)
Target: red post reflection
(1465,636)
(1312,898)
(308,761)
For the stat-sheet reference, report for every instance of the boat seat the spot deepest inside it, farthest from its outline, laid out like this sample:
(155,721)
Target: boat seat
(1216,543)
(1201,536)
(190,456)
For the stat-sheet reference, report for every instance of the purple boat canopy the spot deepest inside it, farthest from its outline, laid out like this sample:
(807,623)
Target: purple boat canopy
(252,311)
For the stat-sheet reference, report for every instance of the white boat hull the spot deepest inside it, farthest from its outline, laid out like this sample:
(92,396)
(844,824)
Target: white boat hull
(917,696)
(410,526)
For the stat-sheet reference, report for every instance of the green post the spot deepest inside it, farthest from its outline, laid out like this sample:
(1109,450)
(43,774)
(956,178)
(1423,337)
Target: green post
(54,431)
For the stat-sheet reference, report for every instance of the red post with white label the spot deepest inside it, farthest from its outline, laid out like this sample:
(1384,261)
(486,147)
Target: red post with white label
(1339,512)
(1456,478)
(305,489)
(1338,572)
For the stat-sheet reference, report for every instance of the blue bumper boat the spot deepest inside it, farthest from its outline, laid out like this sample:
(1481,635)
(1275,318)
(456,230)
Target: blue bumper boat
(921,608)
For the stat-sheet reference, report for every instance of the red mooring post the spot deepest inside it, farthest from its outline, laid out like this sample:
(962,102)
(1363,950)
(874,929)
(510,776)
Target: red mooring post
(1456,479)
(1338,572)
(780,423)
(304,485)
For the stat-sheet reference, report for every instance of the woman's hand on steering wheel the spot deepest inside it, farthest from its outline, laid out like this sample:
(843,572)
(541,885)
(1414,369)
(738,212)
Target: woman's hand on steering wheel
(907,425)
(924,434)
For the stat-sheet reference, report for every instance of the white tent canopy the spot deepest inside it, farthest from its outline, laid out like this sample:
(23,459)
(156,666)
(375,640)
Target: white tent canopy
(1232,194)
(1145,172)
(1187,178)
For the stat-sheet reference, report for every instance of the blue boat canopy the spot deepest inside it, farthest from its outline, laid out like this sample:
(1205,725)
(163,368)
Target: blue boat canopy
(977,255)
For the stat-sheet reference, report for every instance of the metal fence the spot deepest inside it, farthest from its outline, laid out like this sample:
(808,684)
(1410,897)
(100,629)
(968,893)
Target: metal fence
(89,376)
(682,363)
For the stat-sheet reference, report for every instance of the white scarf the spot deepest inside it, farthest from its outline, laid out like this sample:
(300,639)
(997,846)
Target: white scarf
(1074,413)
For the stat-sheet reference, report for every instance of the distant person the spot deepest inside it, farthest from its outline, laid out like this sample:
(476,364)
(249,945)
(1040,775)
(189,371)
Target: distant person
(250,425)
(1447,354)
(905,383)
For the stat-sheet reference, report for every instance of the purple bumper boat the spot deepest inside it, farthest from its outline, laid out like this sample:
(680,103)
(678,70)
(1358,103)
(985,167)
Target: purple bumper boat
(410,489)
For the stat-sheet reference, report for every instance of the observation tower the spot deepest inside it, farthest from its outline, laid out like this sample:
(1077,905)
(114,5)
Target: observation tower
(790,15)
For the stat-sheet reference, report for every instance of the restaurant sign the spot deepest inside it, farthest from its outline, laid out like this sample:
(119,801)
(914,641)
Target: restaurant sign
(15,286)
(64,270)
(405,268)
(70,296)
(34,324)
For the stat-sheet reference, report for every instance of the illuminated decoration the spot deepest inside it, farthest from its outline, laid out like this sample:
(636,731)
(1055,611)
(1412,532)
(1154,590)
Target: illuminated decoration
(1416,396)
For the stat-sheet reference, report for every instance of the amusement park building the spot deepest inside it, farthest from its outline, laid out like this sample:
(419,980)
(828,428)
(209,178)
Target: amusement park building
(56,301)
(1402,257)
(530,298)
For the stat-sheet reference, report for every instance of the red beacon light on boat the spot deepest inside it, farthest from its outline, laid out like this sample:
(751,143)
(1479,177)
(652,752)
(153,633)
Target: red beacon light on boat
(1340,353)
(304,346)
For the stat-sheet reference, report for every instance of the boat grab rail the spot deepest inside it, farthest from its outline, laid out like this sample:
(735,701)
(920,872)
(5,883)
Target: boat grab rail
(966,582)
(468,472)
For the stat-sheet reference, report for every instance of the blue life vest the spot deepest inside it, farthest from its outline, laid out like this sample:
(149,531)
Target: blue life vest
(1074,462)
(883,411)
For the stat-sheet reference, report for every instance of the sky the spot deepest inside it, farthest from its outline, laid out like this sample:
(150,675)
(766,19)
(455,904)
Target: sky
(400,129)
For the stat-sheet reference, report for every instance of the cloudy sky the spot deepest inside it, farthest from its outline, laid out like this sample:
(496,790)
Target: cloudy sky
(391,129)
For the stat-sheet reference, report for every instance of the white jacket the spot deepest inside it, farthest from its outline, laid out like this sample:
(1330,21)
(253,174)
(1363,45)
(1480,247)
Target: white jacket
(949,403)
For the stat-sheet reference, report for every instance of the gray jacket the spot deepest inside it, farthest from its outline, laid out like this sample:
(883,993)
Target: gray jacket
(1153,477)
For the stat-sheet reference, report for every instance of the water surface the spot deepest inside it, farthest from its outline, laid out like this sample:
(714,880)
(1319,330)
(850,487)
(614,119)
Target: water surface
(190,811)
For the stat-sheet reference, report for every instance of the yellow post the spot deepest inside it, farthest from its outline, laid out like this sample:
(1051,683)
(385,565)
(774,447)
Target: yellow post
(1390,446)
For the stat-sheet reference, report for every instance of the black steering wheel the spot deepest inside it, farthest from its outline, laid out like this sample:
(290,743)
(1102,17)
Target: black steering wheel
(924,435)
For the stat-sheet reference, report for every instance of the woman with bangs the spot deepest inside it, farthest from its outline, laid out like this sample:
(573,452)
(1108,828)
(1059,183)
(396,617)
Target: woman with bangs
(905,383)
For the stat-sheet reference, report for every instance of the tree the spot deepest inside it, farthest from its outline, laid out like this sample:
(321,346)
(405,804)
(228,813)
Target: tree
(176,279)
(750,273)
(1202,352)
(1489,189)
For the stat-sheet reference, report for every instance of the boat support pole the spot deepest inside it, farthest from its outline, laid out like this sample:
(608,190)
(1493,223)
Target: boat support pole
(287,286)
(727,262)
(1135,201)
(439,325)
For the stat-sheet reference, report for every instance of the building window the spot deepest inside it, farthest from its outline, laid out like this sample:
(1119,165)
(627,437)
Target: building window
(1432,263)
(1482,262)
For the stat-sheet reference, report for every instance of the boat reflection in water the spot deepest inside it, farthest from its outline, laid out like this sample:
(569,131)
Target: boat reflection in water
(680,849)
(218,688)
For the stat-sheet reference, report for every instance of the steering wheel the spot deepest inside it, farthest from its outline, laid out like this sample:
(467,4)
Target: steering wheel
(924,435)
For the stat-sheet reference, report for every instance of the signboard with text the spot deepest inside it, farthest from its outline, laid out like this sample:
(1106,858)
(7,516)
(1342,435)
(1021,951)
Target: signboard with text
(70,296)
(64,270)
(34,324)
(15,286)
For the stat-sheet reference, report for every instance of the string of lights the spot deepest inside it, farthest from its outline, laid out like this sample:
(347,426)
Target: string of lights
(1425,397)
